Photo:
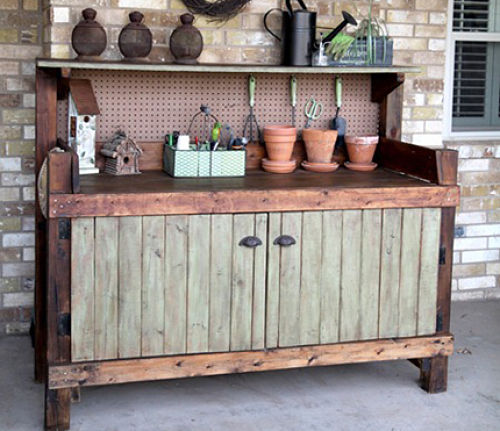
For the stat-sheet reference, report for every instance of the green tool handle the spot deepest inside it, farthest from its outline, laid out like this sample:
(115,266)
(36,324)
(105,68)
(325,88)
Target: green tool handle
(251,90)
(338,92)
(293,91)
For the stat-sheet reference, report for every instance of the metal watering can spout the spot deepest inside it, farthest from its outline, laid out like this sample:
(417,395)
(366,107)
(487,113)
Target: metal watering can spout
(348,19)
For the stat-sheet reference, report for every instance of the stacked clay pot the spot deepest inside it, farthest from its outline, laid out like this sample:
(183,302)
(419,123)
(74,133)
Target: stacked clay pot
(361,150)
(280,141)
(320,145)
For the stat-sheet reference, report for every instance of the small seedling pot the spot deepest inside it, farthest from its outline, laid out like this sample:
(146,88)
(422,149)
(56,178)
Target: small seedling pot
(319,144)
(361,149)
(279,141)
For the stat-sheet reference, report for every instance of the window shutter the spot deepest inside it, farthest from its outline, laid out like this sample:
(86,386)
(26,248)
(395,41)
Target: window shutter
(471,15)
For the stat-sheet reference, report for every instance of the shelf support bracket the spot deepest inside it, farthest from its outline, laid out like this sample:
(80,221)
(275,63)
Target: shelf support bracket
(385,83)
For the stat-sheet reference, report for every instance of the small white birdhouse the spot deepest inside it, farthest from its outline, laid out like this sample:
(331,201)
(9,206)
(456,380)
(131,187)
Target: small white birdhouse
(82,116)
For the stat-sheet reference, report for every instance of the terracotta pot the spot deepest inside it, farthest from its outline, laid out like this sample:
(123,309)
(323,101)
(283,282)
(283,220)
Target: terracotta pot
(361,149)
(319,144)
(280,130)
(279,141)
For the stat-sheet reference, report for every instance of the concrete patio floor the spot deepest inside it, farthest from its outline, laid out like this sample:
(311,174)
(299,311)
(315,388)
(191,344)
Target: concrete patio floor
(381,396)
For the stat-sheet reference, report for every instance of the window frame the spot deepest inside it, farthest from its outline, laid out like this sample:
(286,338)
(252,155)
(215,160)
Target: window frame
(452,38)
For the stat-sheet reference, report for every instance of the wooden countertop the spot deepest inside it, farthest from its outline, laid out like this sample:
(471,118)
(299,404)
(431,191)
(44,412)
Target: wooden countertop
(156,193)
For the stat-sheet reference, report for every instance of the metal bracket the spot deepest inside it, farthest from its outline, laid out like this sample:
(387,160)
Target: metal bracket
(64,228)
(442,255)
(439,321)
(64,324)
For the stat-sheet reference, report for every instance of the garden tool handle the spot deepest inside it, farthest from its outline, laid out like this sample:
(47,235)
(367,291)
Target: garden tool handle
(338,92)
(251,90)
(293,91)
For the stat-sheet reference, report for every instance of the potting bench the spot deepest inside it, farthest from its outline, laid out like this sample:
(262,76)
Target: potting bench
(149,277)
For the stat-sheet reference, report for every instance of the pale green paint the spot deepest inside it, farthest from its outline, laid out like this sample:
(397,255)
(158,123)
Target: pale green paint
(273,282)
(259,284)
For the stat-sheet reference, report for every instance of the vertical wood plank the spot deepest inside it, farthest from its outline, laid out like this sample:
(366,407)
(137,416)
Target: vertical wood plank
(82,289)
(350,299)
(389,273)
(289,307)
(273,281)
(176,255)
(370,273)
(410,263)
(129,287)
(153,287)
(431,219)
(198,283)
(259,284)
(310,277)
(330,276)
(106,288)
(242,284)
(221,250)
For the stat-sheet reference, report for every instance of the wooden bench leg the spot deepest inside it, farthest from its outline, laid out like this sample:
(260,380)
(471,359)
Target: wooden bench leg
(434,374)
(57,409)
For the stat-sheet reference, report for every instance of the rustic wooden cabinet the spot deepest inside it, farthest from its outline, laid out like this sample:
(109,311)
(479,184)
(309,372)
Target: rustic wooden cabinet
(150,277)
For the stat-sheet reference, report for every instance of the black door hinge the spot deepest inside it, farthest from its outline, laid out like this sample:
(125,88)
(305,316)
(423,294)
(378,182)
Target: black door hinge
(439,321)
(64,324)
(442,255)
(64,228)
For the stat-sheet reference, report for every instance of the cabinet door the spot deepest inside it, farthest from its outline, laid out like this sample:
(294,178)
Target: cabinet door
(149,286)
(337,276)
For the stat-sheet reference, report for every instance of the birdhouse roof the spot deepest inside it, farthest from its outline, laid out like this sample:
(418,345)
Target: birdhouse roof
(84,97)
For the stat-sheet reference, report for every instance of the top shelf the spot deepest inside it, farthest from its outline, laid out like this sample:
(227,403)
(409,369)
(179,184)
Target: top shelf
(216,68)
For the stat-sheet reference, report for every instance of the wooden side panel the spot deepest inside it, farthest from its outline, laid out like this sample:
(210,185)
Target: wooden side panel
(310,280)
(130,282)
(82,289)
(106,288)
(350,299)
(197,283)
(176,251)
(330,276)
(221,250)
(153,290)
(273,281)
(431,219)
(370,273)
(410,263)
(389,273)
(289,312)
(259,284)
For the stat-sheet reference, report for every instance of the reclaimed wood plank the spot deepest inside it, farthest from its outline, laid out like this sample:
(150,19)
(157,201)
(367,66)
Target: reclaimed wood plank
(129,287)
(410,263)
(350,299)
(431,220)
(153,287)
(289,310)
(330,276)
(389,273)
(176,259)
(273,281)
(221,250)
(310,279)
(106,288)
(82,289)
(198,283)
(242,284)
(259,284)
(370,273)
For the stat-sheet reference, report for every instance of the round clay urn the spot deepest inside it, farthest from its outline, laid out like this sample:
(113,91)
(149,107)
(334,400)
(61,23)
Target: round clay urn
(186,41)
(88,37)
(135,40)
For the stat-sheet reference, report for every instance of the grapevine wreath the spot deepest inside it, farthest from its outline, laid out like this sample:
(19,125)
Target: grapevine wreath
(218,10)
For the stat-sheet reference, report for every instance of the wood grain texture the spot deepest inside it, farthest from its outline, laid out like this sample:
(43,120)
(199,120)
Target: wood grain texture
(273,282)
(57,409)
(130,282)
(106,288)
(259,283)
(121,371)
(153,288)
(82,289)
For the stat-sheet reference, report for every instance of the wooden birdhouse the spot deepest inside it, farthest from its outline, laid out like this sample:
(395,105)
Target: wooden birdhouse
(122,155)
(82,118)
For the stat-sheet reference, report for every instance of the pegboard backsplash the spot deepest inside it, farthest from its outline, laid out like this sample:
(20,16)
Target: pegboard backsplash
(147,105)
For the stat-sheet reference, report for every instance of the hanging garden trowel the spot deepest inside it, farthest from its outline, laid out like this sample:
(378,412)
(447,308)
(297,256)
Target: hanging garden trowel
(339,123)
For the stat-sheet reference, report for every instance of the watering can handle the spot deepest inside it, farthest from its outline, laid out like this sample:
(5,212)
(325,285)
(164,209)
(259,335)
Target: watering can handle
(289,6)
(265,22)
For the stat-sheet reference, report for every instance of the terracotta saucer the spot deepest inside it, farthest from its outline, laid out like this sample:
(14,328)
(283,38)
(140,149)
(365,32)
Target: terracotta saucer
(279,167)
(368,167)
(319,167)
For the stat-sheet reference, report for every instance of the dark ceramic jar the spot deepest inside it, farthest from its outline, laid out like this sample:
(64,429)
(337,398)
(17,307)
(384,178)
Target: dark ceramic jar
(135,39)
(186,42)
(88,38)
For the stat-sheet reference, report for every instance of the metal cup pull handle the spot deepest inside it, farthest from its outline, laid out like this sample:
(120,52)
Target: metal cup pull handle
(285,241)
(250,242)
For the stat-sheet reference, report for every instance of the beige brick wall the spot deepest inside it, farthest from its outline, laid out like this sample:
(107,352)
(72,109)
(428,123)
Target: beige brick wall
(419,31)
